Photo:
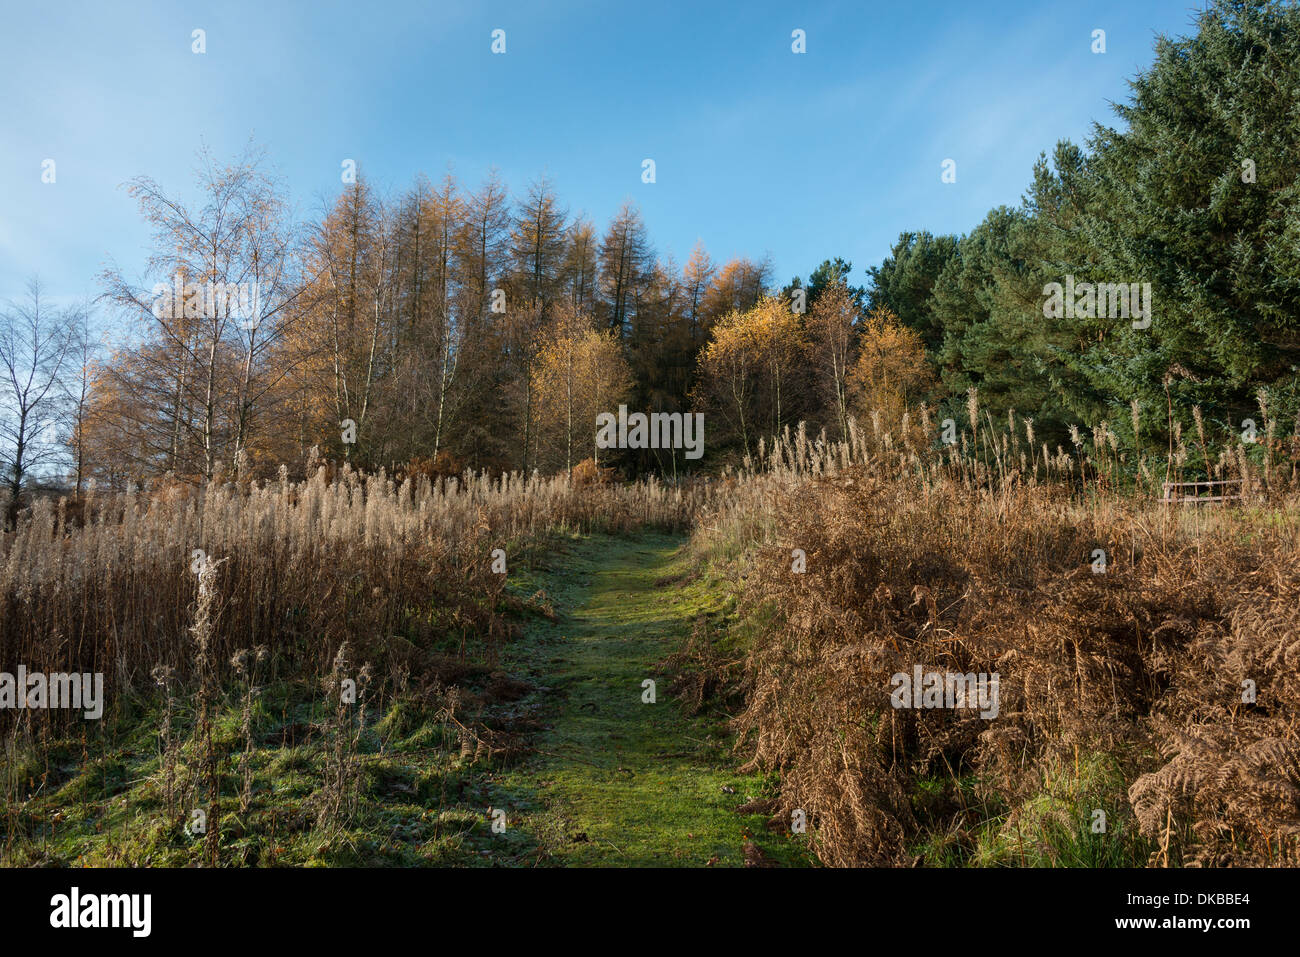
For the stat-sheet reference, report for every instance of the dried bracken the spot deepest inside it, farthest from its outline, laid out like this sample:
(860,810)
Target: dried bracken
(1174,656)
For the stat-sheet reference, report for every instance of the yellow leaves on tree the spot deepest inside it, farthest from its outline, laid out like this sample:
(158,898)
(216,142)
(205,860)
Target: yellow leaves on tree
(891,369)
(579,372)
(746,367)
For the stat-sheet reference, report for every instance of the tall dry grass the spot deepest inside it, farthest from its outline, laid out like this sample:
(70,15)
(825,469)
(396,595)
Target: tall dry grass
(974,559)
(304,567)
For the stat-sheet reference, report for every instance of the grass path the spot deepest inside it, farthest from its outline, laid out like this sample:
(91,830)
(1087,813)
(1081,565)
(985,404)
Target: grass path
(616,781)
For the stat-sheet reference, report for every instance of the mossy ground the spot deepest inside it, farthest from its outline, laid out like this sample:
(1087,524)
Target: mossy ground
(616,780)
(415,798)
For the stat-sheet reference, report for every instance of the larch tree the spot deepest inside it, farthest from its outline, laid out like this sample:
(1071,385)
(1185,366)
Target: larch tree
(349,308)
(537,249)
(729,371)
(891,370)
(697,280)
(580,270)
(781,343)
(625,259)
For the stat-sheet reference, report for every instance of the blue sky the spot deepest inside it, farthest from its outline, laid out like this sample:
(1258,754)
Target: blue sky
(758,150)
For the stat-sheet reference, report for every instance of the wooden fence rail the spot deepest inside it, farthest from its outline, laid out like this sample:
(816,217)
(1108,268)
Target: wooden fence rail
(1184,493)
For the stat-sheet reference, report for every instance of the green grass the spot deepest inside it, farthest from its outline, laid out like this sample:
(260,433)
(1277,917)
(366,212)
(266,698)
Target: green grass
(415,805)
(1051,828)
(618,781)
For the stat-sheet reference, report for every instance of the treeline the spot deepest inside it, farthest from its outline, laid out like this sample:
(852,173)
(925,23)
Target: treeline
(1197,196)
(451,327)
